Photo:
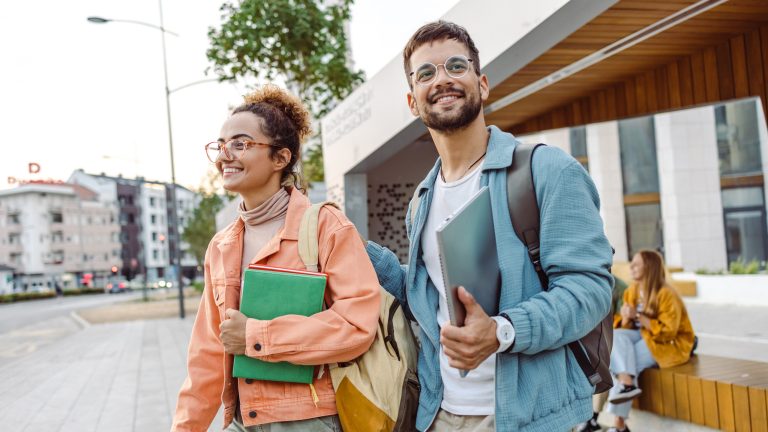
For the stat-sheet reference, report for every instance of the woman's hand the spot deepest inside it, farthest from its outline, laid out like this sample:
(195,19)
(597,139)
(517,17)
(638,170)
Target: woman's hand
(628,312)
(645,322)
(233,332)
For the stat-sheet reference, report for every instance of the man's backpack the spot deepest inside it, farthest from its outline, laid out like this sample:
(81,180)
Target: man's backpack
(378,391)
(593,351)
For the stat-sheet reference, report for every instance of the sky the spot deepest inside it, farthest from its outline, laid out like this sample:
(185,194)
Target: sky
(79,95)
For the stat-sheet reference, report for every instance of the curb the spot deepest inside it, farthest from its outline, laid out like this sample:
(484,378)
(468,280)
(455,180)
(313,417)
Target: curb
(80,320)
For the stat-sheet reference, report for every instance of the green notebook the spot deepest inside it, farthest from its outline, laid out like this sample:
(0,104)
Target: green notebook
(270,292)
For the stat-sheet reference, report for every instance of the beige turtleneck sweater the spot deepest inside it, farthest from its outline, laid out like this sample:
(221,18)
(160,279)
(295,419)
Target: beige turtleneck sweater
(262,223)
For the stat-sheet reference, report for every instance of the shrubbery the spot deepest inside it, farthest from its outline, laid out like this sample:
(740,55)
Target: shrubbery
(35,295)
(22,296)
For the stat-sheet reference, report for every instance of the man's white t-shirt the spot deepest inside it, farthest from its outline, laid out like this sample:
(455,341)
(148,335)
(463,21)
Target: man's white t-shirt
(473,394)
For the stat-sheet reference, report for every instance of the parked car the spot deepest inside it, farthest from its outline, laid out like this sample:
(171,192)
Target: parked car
(117,286)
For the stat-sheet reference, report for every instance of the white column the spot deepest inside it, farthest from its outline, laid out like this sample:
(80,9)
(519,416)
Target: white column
(689,181)
(605,169)
(560,138)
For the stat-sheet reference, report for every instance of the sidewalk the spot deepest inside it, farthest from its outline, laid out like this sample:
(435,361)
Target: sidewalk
(107,377)
(124,377)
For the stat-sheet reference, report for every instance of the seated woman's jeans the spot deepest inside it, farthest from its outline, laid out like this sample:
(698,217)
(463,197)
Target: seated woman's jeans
(630,355)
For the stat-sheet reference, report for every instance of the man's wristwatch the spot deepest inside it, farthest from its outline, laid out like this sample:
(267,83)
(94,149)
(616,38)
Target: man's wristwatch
(505,332)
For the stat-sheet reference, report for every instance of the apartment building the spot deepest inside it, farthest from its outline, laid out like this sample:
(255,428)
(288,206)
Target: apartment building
(57,232)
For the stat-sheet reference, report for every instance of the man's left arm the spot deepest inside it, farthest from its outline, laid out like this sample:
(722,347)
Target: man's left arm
(576,257)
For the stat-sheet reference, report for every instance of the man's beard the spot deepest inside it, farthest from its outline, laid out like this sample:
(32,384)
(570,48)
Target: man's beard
(450,122)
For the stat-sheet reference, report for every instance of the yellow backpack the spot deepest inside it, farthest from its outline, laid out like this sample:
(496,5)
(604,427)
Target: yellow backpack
(378,391)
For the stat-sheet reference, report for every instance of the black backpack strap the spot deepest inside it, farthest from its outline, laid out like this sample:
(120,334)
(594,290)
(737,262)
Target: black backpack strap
(523,207)
(524,212)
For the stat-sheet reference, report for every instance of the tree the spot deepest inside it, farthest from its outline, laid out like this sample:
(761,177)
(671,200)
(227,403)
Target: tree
(202,225)
(300,41)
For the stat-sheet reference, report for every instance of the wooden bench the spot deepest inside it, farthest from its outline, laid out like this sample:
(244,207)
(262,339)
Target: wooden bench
(718,392)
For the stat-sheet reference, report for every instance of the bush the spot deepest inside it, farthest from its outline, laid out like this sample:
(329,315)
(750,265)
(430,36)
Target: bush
(83,290)
(705,271)
(198,286)
(22,296)
(741,267)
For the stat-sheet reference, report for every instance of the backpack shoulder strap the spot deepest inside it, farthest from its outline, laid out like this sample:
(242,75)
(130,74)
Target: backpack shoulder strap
(308,241)
(523,207)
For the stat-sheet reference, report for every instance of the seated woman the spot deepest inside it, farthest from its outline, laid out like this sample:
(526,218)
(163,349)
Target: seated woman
(654,330)
(256,155)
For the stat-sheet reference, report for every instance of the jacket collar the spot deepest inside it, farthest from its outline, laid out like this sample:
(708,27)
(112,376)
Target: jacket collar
(501,146)
(297,205)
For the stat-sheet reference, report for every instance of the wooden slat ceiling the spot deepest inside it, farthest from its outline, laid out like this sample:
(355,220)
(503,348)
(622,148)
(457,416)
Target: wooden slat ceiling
(624,18)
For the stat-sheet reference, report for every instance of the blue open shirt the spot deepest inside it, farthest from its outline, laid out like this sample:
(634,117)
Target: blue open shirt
(539,385)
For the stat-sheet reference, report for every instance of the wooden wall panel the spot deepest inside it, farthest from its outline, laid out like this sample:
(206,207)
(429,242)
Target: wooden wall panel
(757,409)
(696,403)
(733,68)
(741,415)
(709,397)
(682,404)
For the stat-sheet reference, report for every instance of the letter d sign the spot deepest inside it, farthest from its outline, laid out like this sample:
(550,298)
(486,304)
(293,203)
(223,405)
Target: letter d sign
(34,168)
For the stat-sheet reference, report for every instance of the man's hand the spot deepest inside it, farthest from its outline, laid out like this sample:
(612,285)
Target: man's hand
(467,347)
(233,332)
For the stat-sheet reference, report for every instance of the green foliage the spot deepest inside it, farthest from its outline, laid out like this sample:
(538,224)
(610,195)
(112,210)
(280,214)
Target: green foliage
(82,290)
(202,225)
(706,271)
(313,164)
(742,267)
(21,296)
(301,41)
(198,286)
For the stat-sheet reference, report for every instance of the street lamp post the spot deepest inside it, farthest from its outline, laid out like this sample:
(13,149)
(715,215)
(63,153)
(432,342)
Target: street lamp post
(174,215)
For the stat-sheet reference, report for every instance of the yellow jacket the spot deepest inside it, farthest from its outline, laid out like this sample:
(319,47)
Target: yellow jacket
(670,337)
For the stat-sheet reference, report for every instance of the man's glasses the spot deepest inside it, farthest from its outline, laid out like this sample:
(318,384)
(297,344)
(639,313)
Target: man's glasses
(455,66)
(232,149)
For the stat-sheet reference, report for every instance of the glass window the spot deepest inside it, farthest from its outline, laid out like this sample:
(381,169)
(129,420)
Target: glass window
(578,141)
(579,145)
(745,224)
(745,235)
(637,141)
(644,228)
(743,197)
(738,139)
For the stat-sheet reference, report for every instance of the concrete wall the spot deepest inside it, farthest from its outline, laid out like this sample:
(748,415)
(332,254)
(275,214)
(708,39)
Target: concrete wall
(605,169)
(689,181)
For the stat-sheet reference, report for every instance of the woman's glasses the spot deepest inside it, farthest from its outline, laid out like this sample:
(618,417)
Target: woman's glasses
(455,66)
(232,149)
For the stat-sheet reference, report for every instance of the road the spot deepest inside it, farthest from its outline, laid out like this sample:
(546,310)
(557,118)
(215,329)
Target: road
(21,314)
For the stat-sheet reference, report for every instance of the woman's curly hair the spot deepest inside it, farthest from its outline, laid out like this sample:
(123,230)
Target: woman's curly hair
(285,120)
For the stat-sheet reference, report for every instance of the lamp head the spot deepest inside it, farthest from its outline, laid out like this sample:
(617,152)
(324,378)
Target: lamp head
(98,20)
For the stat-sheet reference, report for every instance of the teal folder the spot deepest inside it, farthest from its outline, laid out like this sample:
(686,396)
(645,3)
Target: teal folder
(268,293)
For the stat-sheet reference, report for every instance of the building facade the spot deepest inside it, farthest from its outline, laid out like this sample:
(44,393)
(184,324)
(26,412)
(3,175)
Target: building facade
(146,224)
(663,103)
(57,232)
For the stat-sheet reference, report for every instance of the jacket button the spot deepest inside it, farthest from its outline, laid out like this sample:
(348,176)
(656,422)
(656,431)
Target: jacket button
(257,347)
(248,381)
(252,414)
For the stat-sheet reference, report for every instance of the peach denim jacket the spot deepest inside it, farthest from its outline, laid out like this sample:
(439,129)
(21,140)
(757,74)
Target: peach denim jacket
(342,332)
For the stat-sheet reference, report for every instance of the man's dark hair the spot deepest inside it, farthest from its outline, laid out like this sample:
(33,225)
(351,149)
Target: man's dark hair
(438,31)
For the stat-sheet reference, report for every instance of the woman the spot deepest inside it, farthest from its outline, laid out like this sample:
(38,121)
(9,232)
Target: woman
(654,330)
(256,154)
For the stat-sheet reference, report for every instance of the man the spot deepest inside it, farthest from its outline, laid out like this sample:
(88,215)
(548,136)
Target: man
(521,375)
